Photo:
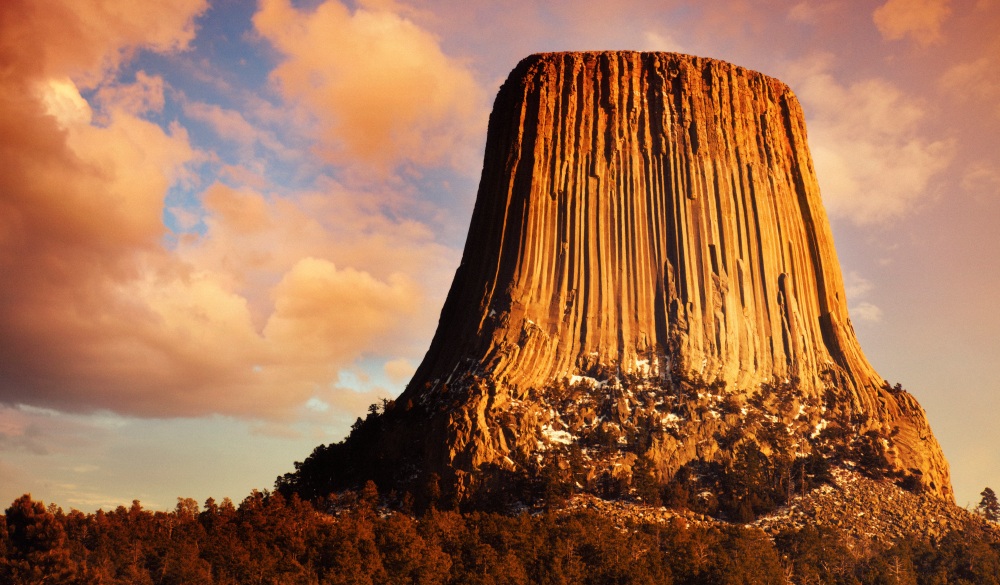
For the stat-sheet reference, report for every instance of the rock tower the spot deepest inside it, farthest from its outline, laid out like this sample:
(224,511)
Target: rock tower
(648,257)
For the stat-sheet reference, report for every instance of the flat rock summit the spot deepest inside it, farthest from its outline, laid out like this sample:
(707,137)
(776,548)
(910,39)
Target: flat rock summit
(649,280)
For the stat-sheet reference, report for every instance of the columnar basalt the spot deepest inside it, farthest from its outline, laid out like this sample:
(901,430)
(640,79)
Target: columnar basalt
(651,217)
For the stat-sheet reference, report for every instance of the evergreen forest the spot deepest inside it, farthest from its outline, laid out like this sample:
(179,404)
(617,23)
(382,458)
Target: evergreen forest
(353,538)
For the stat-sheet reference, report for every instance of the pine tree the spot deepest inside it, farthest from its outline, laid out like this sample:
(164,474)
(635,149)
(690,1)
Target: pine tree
(36,543)
(989,507)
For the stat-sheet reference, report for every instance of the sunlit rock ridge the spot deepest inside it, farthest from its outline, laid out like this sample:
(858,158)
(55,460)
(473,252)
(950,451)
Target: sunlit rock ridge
(648,260)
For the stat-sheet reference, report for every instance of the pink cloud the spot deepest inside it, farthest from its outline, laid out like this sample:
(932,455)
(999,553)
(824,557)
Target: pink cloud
(253,318)
(976,81)
(873,160)
(85,40)
(982,179)
(143,96)
(228,124)
(233,126)
(812,12)
(248,320)
(326,315)
(919,19)
(399,370)
(382,90)
(256,239)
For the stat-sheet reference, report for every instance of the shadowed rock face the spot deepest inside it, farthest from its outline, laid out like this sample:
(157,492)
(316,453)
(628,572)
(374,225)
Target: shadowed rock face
(652,217)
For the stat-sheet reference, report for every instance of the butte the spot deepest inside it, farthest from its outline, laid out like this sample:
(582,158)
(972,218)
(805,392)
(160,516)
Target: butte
(649,280)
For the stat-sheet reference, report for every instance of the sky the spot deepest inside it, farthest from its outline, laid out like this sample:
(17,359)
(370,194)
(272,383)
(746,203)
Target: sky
(226,227)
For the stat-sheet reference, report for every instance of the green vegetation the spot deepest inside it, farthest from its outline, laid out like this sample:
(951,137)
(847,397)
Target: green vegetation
(351,538)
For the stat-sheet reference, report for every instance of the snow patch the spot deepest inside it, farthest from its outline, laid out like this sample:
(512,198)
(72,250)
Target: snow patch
(593,382)
(554,436)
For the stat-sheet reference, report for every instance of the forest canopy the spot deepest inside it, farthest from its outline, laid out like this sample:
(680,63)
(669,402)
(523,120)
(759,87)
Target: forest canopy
(353,538)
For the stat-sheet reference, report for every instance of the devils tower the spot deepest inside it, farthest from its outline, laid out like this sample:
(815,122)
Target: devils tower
(649,280)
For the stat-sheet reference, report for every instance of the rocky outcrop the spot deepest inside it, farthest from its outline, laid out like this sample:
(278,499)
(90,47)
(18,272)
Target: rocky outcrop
(867,510)
(867,513)
(649,279)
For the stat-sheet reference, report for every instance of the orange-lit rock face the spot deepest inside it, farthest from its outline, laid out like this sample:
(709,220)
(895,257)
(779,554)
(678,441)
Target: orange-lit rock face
(654,215)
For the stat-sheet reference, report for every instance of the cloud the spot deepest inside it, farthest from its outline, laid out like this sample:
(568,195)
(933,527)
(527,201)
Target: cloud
(42,451)
(37,432)
(325,315)
(976,81)
(141,97)
(193,348)
(80,205)
(856,287)
(232,126)
(232,322)
(380,88)
(655,41)
(228,124)
(86,40)
(253,315)
(804,12)
(19,434)
(865,311)
(872,160)
(399,370)
(982,179)
(919,19)
(256,239)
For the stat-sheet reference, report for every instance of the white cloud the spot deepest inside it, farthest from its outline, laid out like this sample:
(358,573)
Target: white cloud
(865,311)
(657,41)
(316,405)
(856,286)
(62,101)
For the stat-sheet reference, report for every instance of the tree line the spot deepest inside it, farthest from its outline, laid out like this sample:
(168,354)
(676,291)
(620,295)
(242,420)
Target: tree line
(352,538)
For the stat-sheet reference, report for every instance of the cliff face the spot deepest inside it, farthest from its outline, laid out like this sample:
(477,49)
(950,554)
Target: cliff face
(650,225)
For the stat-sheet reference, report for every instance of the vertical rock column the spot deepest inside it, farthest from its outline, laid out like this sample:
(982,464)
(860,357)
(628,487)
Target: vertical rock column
(649,214)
